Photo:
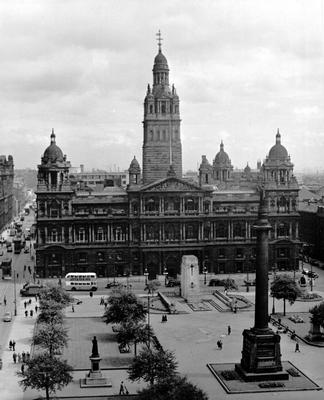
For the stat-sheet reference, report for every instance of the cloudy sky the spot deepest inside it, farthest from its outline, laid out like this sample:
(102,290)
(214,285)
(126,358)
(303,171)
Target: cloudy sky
(242,69)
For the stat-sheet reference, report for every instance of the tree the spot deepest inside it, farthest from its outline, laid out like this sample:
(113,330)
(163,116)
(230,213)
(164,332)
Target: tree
(175,388)
(123,307)
(56,294)
(229,284)
(45,373)
(132,332)
(50,312)
(317,321)
(152,365)
(152,286)
(51,337)
(284,287)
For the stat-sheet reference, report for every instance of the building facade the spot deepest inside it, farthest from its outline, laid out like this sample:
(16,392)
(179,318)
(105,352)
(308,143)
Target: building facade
(160,216)
(6,190)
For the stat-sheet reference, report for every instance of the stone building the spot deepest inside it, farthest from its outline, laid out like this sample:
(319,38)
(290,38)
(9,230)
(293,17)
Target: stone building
(160,216)
(6,190)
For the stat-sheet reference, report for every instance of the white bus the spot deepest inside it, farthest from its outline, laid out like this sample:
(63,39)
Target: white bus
(81,281)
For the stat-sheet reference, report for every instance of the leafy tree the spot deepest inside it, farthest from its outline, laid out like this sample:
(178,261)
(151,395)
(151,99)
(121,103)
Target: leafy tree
(152,286)
(50,312)
(124,306)
(284,287)
(132,332)
(317,314)
(152,366)
(45,373)
(51,337)
(175,388)
(56,294)
(229,284)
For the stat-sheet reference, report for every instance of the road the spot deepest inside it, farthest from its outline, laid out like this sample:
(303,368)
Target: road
(8,287)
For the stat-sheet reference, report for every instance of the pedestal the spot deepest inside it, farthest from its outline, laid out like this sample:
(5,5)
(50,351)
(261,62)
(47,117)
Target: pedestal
(261,357)
(94,377)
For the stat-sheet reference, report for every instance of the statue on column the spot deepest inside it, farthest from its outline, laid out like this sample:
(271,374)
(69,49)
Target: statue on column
(95,352)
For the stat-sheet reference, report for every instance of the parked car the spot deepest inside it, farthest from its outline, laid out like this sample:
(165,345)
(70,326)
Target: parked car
(7,316)
(310,274)
(112,284)
(172,282)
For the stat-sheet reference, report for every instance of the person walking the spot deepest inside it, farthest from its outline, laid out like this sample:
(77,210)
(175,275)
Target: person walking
(297,348)
(19,358)
(122,388)
(31,312)
(13,345)
(25,304)
(5,300)
(23,356)
(26,313)
(36,308)
(229,330)
(27,356)
(10,345)
(14,357)
(72,308)
(22,368)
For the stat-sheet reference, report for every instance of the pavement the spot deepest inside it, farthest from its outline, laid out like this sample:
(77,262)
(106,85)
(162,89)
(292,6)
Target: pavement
(191,335)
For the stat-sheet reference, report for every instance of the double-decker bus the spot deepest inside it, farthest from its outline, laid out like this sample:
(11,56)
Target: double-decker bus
(18,244)
(81,281)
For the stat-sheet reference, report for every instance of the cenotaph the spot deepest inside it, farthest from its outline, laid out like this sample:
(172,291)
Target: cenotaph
(190,279)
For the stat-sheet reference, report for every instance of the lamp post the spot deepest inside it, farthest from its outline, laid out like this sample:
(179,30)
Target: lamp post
(146,274)
(273,298)
(15,298)
(205,272)
(165,273)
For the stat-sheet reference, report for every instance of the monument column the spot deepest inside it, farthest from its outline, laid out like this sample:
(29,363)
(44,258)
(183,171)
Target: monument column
(261,356)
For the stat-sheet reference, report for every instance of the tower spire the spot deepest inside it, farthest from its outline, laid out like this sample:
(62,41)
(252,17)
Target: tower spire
(159,40)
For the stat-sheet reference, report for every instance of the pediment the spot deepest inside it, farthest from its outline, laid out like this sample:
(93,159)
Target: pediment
(171,184)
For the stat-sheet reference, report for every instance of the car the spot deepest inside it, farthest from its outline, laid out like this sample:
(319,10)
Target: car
(26,250)
(310,274)
(31,289)
(112,284)
(7,316)
(173,282)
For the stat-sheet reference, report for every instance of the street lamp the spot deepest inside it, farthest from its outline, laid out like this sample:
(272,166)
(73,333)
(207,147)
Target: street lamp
(273,298)
(165,273)
(15,298)
(205,272)
(146,274)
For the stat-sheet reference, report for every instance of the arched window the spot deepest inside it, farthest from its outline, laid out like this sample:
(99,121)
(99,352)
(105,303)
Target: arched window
(163,108)
(282,205)
(283,229)
(151,109)
(100,234)
(81,235)
(221,230)
(54,235)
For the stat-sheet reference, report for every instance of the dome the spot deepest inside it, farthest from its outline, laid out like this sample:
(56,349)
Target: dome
(222,157)
(134,167)
(53,153)
(160,61)
(278,151)
(247,169)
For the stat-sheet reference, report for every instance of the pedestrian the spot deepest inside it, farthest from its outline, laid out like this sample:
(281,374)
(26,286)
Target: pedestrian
(27,356)
(36,309)
(13,345)
(10,344)
(297,348)
(30,301)
(229,330)
(14,357)
(72,308)
(279,321)
(5,300)
(26,313)
(31,312)
(19,358)
(121,388)
(25,304)
(165,318)
(22,368)
(23,356)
